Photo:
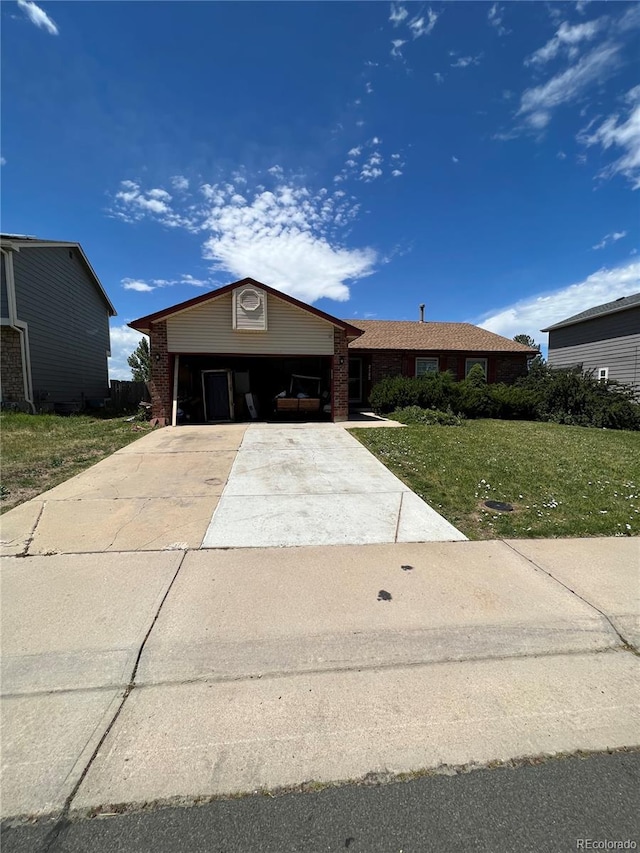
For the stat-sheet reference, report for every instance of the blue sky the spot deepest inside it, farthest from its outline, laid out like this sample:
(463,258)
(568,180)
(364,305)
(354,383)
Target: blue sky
(482,158)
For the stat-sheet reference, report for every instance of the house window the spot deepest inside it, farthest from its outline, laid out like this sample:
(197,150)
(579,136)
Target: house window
(471,362)
(426,365)
(603,373)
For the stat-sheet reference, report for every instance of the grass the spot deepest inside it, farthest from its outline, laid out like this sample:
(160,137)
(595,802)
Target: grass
(41,451)
(561,480)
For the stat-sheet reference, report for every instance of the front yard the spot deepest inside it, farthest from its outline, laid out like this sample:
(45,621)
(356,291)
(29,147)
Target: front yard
(40,451)
(560,480)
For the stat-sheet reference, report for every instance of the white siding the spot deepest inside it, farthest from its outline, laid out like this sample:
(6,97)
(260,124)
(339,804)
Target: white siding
(207,328)
(253,321)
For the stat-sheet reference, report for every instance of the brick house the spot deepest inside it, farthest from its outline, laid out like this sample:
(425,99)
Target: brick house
(247,346)
(406,348)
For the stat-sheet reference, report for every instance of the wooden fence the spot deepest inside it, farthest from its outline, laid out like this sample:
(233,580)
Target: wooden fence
(127,395)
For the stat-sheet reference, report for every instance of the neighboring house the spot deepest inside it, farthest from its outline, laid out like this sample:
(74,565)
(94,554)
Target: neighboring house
(54,316)
(605,339)
(209,353)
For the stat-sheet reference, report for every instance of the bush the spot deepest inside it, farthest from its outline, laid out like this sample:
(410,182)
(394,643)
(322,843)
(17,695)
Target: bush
(434,391)
(415,415)
(562,396)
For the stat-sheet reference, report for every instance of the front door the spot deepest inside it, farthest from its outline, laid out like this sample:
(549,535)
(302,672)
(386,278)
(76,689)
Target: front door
(355,381)
(217,395)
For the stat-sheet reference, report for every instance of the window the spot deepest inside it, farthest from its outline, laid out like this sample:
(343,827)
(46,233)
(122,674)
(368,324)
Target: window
(471,362)
(426,365)
(603,373)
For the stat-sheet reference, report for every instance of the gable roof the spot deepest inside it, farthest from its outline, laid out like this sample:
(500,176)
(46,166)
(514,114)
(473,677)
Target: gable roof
(143,324)
(23,241)
(621,304)
(414,336)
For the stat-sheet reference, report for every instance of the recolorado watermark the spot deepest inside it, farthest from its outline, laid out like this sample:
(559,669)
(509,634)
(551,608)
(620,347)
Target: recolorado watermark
(605,844)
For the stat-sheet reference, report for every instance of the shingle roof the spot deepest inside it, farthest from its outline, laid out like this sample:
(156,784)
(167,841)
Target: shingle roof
(411,335)
(620,304)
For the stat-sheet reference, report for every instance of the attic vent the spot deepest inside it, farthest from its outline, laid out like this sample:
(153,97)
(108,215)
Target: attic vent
(249,309)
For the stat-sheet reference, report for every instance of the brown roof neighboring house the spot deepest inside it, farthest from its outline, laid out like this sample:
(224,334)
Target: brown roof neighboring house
(413,336)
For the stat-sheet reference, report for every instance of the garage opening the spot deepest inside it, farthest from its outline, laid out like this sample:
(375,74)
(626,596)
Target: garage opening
(214,389)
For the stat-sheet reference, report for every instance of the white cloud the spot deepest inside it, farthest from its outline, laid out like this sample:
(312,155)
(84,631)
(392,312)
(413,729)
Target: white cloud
(464,61)
(38,16)
(455,160)
(396,173)
(368,87)
(623,134)
(123,342)
(288,235)
(142,286)
(398,14)
(375,140)
(439,77)
(537,103)
(566,38)
(420,27)
(496,17)
(395,49)
(180,183)
(561,155)
(530,315)
(136,284)
(610,238)
(3,162)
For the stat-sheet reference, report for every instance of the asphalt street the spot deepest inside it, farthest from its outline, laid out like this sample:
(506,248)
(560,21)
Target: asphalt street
(560,805)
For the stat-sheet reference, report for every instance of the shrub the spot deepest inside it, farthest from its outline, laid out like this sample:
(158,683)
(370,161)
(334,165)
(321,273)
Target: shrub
(416,415)
(563,396)
(434,391)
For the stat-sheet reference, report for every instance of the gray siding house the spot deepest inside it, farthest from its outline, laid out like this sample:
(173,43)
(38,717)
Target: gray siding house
(605,339)
(54,316)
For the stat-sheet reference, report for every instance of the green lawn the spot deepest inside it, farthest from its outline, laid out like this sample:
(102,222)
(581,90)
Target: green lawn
(561,480)
(40,451)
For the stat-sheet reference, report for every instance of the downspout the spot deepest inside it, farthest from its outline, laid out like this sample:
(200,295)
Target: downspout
(21,328)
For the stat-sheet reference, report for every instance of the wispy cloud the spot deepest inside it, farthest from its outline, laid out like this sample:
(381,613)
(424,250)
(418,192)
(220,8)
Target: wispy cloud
(438,77)
(454,159)
(142,286)
(538,103)
(465,61)
(610,238)
(396,44)
(289,235)
(495,16)
(180,183)
(398,14)
(38,16)
(624,134)
(421,26)
(3,162)
(567,38)
(123,342)
(530,315)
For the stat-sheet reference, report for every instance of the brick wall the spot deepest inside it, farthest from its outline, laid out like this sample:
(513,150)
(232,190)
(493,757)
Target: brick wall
(160,382)
(385,363)
(340,376)
(509,367)
(11,365)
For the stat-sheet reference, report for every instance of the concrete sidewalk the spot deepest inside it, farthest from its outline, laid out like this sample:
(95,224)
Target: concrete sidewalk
(171,676)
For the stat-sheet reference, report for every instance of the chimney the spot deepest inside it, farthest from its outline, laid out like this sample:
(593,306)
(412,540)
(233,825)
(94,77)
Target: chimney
(422,313)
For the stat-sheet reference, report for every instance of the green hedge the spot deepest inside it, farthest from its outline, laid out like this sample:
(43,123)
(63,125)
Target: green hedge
(563,396)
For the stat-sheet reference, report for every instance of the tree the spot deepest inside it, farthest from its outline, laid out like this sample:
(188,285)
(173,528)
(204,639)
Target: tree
(527,340)
(140,361)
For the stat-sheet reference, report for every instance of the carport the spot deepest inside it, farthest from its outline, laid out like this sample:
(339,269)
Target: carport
(247,351)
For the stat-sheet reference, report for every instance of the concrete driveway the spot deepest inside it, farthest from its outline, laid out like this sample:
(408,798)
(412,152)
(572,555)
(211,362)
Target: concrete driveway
(158,493)
(228,486)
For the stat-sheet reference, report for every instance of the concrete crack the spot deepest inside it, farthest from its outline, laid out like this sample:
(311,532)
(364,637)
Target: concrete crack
(626,644)
(25,550)
(62,822)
